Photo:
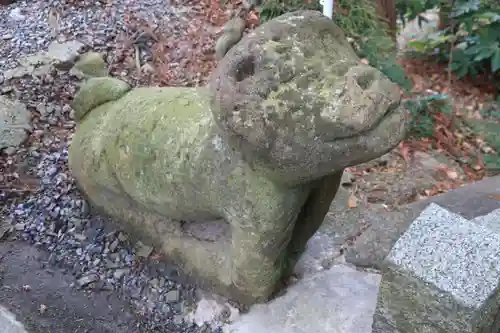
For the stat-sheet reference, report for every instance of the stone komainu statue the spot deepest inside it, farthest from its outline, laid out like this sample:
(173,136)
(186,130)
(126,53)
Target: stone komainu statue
(231,180)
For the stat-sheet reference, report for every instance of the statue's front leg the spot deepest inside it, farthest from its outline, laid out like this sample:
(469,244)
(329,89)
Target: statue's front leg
(258,257)
(261,230)
(311,216)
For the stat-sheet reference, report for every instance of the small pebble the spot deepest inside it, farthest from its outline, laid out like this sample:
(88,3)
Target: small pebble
(87,279)
(119,273)
(19,226)
(172,296)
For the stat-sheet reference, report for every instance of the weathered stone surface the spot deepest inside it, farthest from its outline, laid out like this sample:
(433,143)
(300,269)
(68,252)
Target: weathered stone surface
(155,155)
(294,97)
(441,276)
(100,91)
(212,310)
(63,55)
(14,124)
(158,160)
(340,300)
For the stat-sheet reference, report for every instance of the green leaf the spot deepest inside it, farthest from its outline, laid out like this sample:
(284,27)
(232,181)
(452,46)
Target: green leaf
(466,7)
(485,53)
(462,71)
(459,56)
(475,49)
(418,45)
(488,34)
(488,17)
(455,66)
(468,25)
(495,61)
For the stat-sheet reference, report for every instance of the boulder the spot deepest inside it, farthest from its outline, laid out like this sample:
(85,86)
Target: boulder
(14,124)
(59,55)
(231,180)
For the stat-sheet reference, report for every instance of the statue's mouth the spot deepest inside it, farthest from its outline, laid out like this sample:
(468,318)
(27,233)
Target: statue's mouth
(389,114)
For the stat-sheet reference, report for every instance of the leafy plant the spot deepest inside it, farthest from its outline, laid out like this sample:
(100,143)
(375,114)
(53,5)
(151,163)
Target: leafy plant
(408,10)
(274,8)
(472,45)
(423,110)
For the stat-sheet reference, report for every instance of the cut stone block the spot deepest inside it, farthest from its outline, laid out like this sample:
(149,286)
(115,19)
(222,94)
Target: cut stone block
(8,322)
(441,276)
(491,220)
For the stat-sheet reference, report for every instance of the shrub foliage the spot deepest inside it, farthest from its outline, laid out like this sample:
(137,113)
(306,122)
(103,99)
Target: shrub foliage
(470,42)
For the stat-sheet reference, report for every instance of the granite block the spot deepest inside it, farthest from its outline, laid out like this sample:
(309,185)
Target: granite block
(491,220)
(372,247)
(442,275)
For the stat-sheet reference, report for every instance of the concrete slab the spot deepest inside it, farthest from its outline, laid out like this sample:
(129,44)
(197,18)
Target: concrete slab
(338,300)
(491,220)
(8,322)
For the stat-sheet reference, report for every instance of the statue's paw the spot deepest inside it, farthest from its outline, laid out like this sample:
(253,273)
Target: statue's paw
(97,91)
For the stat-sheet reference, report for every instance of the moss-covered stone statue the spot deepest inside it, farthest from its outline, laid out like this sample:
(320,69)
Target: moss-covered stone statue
(232,179)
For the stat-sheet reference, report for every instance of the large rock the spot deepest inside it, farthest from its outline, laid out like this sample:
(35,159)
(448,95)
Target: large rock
(58,55)
(234,202)
(372,247)
(14,124)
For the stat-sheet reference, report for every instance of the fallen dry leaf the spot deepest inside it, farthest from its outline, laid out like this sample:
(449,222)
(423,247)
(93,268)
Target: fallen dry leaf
(452,174)
(42,308)
(156,256)
(406,151)
(253,19)
(353,201)
(495,196)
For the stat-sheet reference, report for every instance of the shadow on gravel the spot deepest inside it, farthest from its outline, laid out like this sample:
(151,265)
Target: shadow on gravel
(44,301)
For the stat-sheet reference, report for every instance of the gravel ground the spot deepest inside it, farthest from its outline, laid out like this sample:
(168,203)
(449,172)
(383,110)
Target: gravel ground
(38,195)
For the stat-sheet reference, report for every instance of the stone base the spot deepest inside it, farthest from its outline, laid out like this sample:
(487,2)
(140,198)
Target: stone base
(339,300)
(8,322)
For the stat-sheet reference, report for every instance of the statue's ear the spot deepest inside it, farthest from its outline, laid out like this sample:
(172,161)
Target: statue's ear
(97,91)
